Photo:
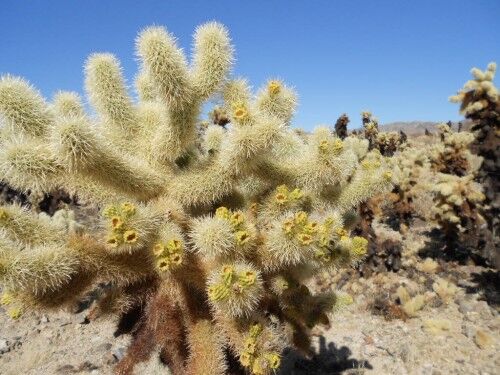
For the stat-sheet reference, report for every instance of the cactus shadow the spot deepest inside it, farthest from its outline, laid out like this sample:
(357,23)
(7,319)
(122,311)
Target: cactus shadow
(461,251)
(328,359)
(487,284)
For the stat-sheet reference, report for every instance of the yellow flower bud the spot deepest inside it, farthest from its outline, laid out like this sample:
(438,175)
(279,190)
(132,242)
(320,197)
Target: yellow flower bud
(218,292)
(174,246)
(341,232)
(301,218)
(311,227)
(249,345)
(246,359)
(222,212)
(288,226)
(248,278)
(257,368)
(242,237)
(163,264)
(240,113)
(304,238)
(128,208)
(296,194)
(6,299)
(113,240)
(280,198)
(323,145)
(273,359)
(130,236)
(227,274)
(3,214)
(255,330)
(109,211)
(15,313)
(338,146)
(359,246)
(237,219)
(116,222)
(158,249)
(274,87)
(176,259)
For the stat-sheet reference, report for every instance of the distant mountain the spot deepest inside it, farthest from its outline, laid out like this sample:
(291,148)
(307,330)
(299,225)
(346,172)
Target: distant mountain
(418,127)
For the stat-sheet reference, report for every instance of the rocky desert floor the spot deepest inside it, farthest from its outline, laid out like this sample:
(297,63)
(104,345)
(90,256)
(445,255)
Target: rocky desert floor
(371,336)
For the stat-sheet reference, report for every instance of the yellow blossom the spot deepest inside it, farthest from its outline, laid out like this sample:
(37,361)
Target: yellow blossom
(223,213)
(130,236)
(305,239)
(242,237)
(246,359)
(158,249)
(274,87)
(116,222)
(128,208)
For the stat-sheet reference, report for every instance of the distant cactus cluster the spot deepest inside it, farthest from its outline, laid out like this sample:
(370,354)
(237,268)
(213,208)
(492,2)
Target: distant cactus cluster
(211,229)
(448,180)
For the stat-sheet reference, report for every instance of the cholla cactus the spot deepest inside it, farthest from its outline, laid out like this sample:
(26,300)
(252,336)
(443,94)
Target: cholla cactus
(389,142)
(213,244)
(370,125)
(480,102)
(341,126)
(386,142)
(411,195)
(452,154)
(457,208)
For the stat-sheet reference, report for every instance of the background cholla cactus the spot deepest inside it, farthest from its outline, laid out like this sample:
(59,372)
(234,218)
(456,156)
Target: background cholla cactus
(370,126)
(480,102)
(457,208)
(452,154)
(208,242)
(341,126)
(389,142)
(411,196)
(386,142)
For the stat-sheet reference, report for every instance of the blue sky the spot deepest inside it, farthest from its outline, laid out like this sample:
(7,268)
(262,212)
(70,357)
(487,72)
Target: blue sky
(399,59)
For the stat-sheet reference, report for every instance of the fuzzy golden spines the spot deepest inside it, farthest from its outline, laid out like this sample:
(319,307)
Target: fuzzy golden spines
(83,151)
(130,227)
(235,289)
(166,64)
(23,108)
(107,92)
(261,349)
(212,59)
(278,100)
(169,250)
(226,235)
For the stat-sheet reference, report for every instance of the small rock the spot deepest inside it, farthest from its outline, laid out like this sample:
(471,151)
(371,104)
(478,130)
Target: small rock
(468,330)
(4,346)
(370,350)
(406,353)
(110,359)
(66,369)
(104,347)
(44,319)
(465,307)
(119,353)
